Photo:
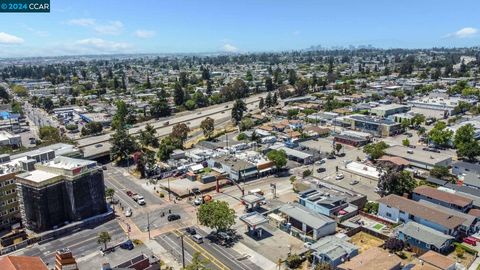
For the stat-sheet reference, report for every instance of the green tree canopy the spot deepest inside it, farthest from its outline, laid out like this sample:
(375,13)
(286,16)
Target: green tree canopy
(439,134)
(279,157)
(465,142)
(393,180)
(216,215)
(123,145)
(375,150)
(208,126)
(239,107)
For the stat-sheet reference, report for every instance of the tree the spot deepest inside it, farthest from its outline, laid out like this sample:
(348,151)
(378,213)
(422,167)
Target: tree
(148,136)
(208,126)
(465,142)
(238,109)
(279,157)
(268,100)
(406,142)
(418,119)
(246,123)
(293,261)
(49,134)
(166,147)
(323,266)
(180,132)
(394,180)
(274,99)
(394,244)
(145,160)
(216,215)
(301,87)
(47,104)
(405,123)
(371,207)
(306,173)
(440,172)
(439,134)
(375,150)
(269,84)
(104,238)
(123,145)
(338,147)
(109,192)
(197,263)
(261,103)
(4,94)
(20,90)
(92,128)
(292,77)
(160,108)
(178,95)
(123,116)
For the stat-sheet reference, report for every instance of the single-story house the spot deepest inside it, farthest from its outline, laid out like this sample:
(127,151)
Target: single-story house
(333,251)
(423,238)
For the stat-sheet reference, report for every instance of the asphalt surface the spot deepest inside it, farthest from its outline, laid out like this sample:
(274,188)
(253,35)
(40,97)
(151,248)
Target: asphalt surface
(219,257)
(82,243)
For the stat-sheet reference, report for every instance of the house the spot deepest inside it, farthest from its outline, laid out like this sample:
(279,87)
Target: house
(331,205)
(423,238)
(443,198)
(332,250)
(22,263)
(396,209)
(293,154)
(315,131)
(306,221)
(419,158)
(234,168)
(432,260)
(373,258)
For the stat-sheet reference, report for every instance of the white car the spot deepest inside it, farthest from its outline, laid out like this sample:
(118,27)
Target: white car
(198,201)
(128,212)
(339,176)
(140,200)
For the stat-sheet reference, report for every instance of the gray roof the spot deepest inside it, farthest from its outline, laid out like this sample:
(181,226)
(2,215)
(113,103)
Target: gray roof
(469,219)
(333,247)
(424,234)
(474,168)
(305,215)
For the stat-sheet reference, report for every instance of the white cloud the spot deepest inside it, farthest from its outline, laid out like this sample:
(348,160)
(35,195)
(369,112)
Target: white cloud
(102,45)
(464,33)
(144,33)
(110,28)
(9,39)
(229,48)
(82,22)
(104,28)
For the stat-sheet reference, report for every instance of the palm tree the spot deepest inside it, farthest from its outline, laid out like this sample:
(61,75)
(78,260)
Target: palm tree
(104,238)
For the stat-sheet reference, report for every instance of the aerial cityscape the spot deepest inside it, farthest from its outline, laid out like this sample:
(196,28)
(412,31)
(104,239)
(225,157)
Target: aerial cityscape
(252,135)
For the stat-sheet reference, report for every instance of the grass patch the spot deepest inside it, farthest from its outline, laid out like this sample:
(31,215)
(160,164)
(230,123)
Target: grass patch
(378,226)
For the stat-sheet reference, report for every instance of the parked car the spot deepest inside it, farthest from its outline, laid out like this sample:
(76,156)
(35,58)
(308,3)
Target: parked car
(339,176)
(409,134)
(197,238)
(191,230)
(129,193)
(141,201)
(198,201)
(128,212)
(104,167)
(470,240)
(354,182)
(127,245)
(173,217)
(321,161)
(320,170)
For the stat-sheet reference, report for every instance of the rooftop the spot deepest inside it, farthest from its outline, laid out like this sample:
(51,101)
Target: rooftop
(38,176)
(373,258)
(417,155)
(22,263)
(420,210)
(68,163)
(442,196)
(368,119)
(334,247)
(424,234)
(437,260)
(305,215)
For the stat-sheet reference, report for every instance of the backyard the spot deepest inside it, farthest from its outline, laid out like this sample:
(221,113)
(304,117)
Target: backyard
(365,241)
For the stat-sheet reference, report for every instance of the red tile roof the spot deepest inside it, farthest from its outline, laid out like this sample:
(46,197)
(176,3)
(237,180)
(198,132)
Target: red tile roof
(22,263)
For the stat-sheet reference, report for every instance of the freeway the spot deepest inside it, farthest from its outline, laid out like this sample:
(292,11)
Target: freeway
(219,257)
(192,120)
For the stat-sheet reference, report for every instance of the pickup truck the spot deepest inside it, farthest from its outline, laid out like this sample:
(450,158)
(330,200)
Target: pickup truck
(139,199)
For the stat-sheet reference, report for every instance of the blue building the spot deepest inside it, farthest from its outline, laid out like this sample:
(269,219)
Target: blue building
(423,238)
(333,251)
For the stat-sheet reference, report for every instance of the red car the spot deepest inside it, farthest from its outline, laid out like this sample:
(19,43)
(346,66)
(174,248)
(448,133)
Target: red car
(129,193)
(470,240)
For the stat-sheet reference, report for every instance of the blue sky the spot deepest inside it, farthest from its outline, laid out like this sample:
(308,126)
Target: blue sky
(170,26)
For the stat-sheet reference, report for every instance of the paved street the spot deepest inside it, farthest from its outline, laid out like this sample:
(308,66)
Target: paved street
(82,244)
(220,257)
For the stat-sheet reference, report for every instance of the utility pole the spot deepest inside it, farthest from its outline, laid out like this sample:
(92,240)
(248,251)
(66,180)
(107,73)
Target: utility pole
(168,183)
(183,252)
(148,225)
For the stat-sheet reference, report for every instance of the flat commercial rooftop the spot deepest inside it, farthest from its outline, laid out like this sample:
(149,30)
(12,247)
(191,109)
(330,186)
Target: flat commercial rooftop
(419,155)
(38,176)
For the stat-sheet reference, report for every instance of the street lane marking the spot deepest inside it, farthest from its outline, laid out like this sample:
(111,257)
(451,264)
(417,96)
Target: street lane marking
(202,251)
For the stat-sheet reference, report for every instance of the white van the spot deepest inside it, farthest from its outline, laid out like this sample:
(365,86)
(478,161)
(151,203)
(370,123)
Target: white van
(197,238)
